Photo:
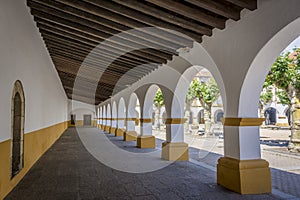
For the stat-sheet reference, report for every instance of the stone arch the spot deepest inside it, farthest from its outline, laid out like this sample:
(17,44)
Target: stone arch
(132,105)
(184,83)
(131,131)
(121,113)
(108,115)
(17,127)
(104,114)
(100,115)
(114,114)
(260,66)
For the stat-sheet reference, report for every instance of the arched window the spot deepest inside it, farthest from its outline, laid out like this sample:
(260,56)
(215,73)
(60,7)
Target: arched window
(17,114)
(218,116)
(200,117)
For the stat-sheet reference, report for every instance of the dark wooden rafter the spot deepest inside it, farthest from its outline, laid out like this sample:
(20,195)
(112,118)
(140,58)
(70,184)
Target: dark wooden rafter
(72,31)
(249,4)
(108,21)
(225,9)
(190,12)
(95,37)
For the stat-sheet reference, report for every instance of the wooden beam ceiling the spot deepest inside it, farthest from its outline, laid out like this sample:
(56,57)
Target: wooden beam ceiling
(72,29)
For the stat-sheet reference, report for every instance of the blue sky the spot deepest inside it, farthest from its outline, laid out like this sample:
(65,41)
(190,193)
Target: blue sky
(295,43)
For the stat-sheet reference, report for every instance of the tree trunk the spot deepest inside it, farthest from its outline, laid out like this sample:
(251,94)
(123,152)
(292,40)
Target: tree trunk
(294,144)
(187,115)
(207,120)
(157,118)
(261,111)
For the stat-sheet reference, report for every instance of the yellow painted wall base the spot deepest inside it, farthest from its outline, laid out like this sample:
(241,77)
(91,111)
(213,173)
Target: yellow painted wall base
(112,130)
(79,123)
(119,132)
(282,124)
(147,141)
(130,136)
(244,176)
(107,128)
(35,145)
(175,151)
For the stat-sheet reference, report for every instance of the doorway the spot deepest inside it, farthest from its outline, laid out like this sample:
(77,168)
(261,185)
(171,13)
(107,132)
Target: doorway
(87,120)
(73,119)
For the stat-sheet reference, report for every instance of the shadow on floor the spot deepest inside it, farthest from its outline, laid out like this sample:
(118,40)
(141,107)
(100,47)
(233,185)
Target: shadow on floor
(68,171)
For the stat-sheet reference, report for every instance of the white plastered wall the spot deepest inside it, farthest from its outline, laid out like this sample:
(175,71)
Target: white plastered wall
(23,56)
(79,109)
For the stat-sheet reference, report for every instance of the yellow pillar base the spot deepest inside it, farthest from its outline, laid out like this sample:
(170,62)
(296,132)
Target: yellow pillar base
(244,176)
(175,151)
(107,128)
(130,136)
(147,141)
(119,132)
(112,130)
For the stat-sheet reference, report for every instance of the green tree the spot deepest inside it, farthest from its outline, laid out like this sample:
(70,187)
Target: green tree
(207,94)
(158,103)
(266,96)
(284,75)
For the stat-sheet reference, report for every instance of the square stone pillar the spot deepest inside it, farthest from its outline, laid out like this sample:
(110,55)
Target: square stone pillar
(146,139)
(241,169)
(175,148)
(120,130)
(130,134)
(113,127)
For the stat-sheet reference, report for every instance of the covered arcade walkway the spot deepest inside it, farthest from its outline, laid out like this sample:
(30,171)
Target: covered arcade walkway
(68,171)
(91,63)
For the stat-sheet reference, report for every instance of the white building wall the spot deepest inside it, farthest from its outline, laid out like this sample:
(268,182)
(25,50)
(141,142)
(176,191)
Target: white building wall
(23,57)
(80,109)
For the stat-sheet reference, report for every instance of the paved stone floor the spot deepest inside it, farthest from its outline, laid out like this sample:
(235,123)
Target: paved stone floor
(285,166)
(68,171)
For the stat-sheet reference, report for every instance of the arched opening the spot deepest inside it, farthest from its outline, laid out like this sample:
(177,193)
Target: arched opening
(121,117)
(203,97)
(133,115)
(270,115)
(114,115)
(154,109)
(200,117)
(18,114)
(104,117)
(108,118)
(219,114)
(266,78)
